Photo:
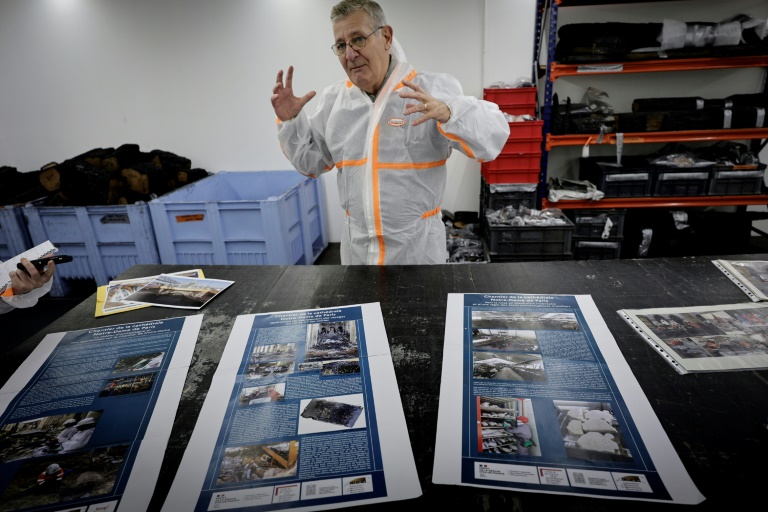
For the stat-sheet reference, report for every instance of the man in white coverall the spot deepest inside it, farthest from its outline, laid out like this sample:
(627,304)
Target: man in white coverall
(80,438)
(389,130)
(69,430)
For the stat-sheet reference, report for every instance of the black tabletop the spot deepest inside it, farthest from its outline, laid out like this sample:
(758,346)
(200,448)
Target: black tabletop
(717,421)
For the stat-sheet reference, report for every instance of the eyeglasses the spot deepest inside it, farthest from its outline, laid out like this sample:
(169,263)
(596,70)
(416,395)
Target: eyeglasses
(357,44)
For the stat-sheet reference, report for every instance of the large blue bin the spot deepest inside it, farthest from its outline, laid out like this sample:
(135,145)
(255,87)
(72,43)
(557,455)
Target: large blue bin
(242,218)
(14,237)
(103,240)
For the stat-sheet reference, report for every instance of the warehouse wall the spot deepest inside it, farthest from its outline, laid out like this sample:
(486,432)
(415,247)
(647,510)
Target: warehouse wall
(194,76)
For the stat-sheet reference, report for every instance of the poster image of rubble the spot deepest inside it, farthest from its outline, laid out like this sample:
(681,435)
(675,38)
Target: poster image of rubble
(331,340)
(176,291)
(258,462)
(303,413)
(591,432)
(548,404)
(110,296)
(726,337)
(331,413)
(85,420)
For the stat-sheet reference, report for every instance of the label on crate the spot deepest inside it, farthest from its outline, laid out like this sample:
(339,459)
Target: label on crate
(115,218)
(663,176)
(611,68)
(197,217)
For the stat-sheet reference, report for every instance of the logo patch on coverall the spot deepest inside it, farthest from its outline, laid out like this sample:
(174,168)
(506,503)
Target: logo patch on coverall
(396,121)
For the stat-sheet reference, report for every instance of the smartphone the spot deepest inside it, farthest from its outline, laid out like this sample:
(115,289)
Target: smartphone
(42,262)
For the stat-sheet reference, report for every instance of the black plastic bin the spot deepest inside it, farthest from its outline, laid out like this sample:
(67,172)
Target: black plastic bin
(633,178)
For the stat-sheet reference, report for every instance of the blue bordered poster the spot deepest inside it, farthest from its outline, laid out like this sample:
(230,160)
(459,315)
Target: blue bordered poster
(303,413)
(85,420)
(548,404)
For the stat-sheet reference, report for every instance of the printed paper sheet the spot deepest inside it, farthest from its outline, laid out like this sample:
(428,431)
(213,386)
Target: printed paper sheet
(303,413)
(547,403)
(85,420)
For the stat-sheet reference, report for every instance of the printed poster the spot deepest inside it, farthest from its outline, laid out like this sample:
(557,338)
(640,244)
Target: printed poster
(547,403)
(303,413)
(110,298)
(726,337)
(85,420)
(178,291)
(751,276)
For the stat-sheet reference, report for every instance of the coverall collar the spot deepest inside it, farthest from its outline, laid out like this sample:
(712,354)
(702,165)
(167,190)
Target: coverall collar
(392,64)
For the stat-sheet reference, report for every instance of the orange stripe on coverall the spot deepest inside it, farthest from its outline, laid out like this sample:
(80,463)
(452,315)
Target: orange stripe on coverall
(430,213)
(468,151)
(376,201)
(411,165)
(409,77)
(350,163)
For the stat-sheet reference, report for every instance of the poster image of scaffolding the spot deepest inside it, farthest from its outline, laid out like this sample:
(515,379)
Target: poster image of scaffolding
(86,418)
(303,413)
(547,404)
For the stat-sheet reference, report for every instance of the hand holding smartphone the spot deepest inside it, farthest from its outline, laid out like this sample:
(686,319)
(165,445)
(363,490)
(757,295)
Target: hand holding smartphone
(42,262)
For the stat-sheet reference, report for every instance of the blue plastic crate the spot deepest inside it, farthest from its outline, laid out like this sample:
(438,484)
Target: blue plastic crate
(14,237)
(103,240)
(242,218)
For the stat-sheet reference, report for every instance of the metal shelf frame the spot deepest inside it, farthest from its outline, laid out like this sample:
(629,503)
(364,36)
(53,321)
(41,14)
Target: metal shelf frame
(657,202)
(652,137)
(653,66)
(556,70)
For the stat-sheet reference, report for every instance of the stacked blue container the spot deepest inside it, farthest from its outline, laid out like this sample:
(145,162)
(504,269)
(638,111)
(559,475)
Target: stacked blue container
(103,240)
(242,218)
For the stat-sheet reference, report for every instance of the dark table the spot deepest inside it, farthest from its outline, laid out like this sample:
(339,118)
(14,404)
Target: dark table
(716,421)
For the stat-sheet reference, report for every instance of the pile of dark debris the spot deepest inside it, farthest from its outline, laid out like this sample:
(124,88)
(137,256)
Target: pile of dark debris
(101,176)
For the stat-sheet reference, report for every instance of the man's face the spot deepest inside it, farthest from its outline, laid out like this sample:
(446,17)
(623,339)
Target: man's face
(365,68)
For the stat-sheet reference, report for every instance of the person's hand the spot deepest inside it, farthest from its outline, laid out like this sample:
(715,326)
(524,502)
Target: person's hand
(24,283)
(286,104)
(430,107)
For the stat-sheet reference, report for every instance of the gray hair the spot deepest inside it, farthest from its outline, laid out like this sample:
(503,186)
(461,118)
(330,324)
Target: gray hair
(346,7)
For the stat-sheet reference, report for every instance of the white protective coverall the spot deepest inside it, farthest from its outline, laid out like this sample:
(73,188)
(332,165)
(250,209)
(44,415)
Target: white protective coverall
(29,299)
(391,175)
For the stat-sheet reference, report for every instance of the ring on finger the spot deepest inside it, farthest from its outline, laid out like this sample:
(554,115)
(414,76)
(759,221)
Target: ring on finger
(424,107)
